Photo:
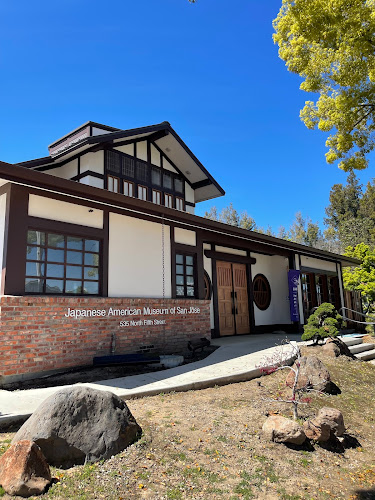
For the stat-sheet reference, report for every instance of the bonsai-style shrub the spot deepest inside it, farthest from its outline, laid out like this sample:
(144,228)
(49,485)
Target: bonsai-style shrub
(324,322)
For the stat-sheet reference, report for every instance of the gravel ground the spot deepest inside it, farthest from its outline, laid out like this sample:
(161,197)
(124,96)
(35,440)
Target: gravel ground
(207,444)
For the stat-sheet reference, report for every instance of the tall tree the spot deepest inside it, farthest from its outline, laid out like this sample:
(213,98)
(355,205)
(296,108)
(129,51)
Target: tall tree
(344,202)
(229,215)
(331,45)
(362,277)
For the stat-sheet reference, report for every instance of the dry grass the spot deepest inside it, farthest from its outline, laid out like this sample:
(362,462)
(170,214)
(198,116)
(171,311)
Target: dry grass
(207,444)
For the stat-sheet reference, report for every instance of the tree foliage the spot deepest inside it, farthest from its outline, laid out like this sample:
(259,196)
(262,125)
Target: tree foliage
(324,322)
(362,277)
(229,215)
(331,45)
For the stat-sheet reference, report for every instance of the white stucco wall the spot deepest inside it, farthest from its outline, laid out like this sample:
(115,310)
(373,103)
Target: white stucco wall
(189,193)
(232,251)
(90,180)
(48,208)
(3,200)
(142,150)
(127,148)
(313,263)
(168,166)
(135,258)
(275,269)
(185,237)
(67,171)
(93,161)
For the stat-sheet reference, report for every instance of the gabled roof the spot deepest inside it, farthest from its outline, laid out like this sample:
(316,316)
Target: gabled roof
(93,136)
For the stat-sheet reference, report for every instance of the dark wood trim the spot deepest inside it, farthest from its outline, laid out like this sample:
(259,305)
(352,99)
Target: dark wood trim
(200,184)
(163,155)
(200,266)
(86,173)
(173,262)
(189,204)
(215,296)
(105,253)
(228,257)
(339,273)
(15,241)
(65,227)
(78,165)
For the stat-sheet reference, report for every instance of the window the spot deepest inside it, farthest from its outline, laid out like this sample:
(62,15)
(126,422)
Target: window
(128,188)
(261,292)
(167,180)
(156,197)
(185,275)
(142,171)
(113,184)
(61,264)
(113,162)
(142,193)
(306,294)
(319,285)
(178,185)
(207,286)
(127,166)
(168,200)
(179,203)
(156,176)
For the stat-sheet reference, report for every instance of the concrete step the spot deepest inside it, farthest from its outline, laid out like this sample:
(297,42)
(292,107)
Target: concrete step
(355,349)
(352,340)
(366,355)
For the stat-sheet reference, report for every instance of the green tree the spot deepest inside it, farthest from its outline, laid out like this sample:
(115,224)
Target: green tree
(331,45)
(229,215)
(362,277)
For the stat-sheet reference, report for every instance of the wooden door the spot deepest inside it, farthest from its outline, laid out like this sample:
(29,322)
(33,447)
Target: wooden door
(232,298)
(225,298)
(241,299)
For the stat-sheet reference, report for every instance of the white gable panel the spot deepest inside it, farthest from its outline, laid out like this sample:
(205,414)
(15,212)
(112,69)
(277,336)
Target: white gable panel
(93,162)
(168,166)
(127,148)
(142,150)
(67,171)
(155,156)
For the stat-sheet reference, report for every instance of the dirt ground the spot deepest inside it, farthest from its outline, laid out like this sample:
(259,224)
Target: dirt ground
(207,444)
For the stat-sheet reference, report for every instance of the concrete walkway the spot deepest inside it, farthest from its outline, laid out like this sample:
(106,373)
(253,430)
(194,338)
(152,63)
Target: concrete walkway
(236,360)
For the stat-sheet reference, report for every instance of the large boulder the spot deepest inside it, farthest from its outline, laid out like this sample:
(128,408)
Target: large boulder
(331,350)
(328,423)
(24,470)
(80,424)
(336,345)
(312,375)
(282,430)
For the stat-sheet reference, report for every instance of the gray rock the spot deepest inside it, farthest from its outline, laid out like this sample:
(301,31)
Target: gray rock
(283,430)
(312,375)
(80,424)
(331,349)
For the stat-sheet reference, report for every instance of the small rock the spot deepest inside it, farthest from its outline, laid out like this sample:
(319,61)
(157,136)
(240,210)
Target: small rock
(343,348)
(317,431)
(24,470)
(79,424)
(333,418)
(312,375)
(331,349)
(283,430)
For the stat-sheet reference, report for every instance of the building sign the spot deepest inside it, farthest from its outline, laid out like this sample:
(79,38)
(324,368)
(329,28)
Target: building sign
(134,316)
(69,142)
(293,281)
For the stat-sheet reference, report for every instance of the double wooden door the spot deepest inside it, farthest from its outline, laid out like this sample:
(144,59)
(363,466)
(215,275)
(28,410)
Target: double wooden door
(232,298)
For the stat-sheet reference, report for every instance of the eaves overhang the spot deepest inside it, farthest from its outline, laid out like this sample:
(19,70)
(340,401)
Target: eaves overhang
(75,190)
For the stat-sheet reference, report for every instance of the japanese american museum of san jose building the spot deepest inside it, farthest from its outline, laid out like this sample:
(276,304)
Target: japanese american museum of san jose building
(99,243)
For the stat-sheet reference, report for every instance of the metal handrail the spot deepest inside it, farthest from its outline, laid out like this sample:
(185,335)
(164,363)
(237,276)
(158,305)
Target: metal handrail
(354,320)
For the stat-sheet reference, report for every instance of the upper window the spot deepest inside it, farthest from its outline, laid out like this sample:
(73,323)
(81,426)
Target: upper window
(168,200)
(127,166)
(142,171)
(262,292)
(113,183)
(61,264)
(167,180)
(113,161)
(185,275)
(142,193)
(179,203)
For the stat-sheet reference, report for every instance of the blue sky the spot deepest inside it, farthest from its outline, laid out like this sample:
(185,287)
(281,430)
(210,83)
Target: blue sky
(210,69)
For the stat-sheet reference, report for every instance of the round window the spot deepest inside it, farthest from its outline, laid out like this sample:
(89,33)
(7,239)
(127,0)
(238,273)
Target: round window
(262,292)
(207,286)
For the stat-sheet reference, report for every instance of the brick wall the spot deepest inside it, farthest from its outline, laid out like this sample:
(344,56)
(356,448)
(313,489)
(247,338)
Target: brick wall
(37,335)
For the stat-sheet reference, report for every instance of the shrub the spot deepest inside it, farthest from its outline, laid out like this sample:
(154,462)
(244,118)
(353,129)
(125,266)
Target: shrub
(324,322)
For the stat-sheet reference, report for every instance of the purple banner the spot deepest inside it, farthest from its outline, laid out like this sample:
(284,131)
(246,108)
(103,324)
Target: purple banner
(293,281)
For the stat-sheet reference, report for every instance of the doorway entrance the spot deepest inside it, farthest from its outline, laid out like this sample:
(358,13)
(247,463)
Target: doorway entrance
(232,298)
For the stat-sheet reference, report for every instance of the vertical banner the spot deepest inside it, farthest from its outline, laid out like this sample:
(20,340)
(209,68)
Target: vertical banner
(293,281)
